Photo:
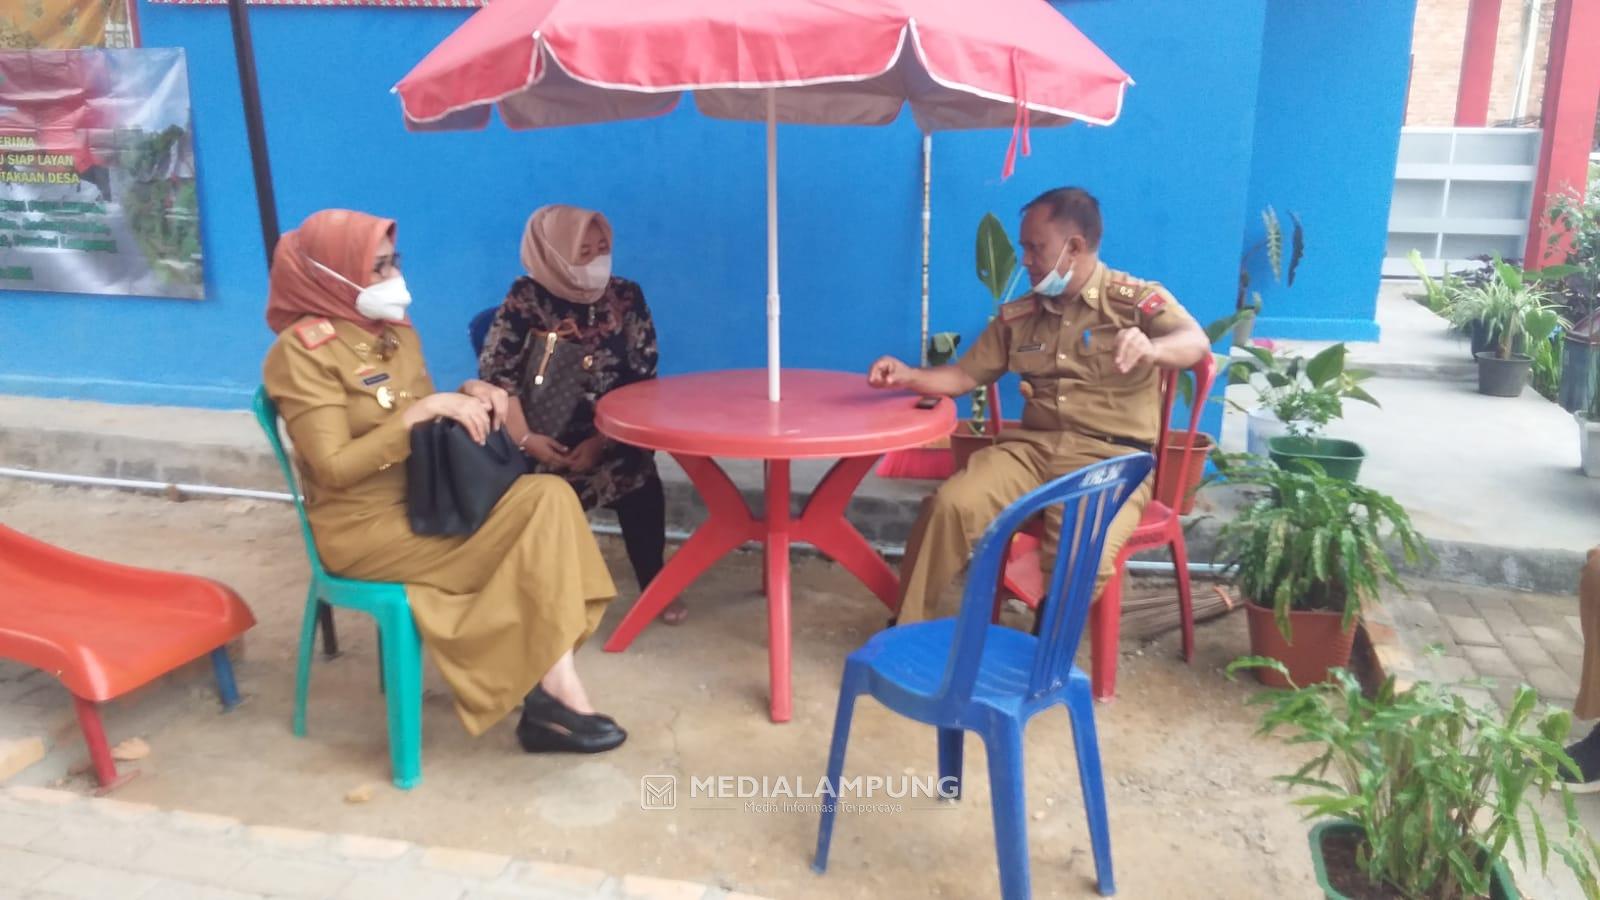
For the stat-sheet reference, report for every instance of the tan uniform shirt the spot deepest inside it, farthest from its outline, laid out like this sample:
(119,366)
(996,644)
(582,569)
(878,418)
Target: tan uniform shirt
(341,394)
(1064,349)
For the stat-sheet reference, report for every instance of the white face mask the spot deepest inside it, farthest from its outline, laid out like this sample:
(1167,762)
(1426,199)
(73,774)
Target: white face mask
(385,301)
(595,275)
(1055,283)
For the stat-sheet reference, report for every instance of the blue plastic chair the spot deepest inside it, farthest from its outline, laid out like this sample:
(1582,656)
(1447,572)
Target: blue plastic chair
(478,329)
(399,645)
(964,674)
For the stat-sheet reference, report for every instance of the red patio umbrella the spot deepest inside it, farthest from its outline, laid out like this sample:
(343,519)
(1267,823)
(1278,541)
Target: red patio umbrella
(959,64)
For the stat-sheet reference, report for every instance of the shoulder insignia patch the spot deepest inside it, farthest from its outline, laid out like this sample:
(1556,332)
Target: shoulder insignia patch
(1121,290)
(1152,302)
(1016,309)
(315,333)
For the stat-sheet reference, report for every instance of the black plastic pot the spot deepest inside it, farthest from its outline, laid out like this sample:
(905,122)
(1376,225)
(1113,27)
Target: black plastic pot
(1503,377)
(1575,390)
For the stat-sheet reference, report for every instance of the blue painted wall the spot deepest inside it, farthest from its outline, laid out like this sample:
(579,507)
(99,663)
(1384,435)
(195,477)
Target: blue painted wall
(1332,98)
(685,195)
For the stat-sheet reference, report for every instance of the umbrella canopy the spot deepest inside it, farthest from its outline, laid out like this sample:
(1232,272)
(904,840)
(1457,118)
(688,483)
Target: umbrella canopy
(959,64)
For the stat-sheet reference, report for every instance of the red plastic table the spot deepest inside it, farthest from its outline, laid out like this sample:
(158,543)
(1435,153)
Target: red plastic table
(823,415)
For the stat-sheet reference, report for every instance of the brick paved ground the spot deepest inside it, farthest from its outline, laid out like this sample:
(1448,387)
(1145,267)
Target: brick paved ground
(55,844)
(1488,641)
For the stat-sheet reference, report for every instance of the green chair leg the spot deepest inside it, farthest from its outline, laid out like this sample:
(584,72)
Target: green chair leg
(302,674)
(402,675)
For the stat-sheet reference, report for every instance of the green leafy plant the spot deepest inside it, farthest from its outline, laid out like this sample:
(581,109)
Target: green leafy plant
(1225,327)
(1441,789)
(999,272)
(1512,308)
(1311,542)
(1547,361)
(1272,244)
(1577,280)
(1592,412)
(1436,294)
(1304,394)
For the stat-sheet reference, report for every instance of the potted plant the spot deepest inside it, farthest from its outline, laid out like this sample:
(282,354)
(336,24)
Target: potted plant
(1172,454)
(1271,244)
(1576,284)
(1309,554)
(1589,423)
(1422,795)
(1297,399)
(1515,314)
(999,273)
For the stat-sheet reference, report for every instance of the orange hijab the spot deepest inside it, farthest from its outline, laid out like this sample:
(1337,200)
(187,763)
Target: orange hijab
(344,241)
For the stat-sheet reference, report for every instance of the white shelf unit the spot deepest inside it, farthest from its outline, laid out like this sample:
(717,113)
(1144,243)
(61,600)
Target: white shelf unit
(1460,193)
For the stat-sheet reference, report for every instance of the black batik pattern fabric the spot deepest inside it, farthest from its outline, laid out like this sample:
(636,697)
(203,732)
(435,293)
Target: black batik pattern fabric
(617,332)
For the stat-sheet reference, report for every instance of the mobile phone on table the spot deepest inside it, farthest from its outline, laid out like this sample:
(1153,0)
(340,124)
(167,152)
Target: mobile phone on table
(927,403)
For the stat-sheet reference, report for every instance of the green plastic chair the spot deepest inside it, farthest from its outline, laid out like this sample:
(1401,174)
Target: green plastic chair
(399,645)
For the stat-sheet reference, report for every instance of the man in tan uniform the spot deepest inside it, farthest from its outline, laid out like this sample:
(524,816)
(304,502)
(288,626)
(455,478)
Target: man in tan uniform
(1088,342)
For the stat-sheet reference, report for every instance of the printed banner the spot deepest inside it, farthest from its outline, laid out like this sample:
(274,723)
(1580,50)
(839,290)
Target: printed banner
(97,176)
(64,24)
(393,4)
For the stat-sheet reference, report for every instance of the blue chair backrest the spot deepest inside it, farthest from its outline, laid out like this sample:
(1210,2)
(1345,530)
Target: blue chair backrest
(267,416)
(478,329)
(1090,498)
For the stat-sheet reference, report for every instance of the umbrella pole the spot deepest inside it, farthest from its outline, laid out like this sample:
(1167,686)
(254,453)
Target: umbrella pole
(772,246)
(927,232)
(255,128)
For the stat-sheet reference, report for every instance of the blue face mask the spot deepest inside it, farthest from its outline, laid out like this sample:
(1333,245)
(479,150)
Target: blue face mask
(1055,283)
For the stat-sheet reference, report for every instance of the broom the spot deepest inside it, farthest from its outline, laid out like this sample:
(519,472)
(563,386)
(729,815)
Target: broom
(932,461)
(1152,615)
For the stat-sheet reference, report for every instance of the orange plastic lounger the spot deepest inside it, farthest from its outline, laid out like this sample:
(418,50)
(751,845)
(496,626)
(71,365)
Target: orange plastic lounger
(104,629)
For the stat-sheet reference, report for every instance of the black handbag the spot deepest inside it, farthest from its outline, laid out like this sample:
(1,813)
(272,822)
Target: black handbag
(556,380)
(452,481)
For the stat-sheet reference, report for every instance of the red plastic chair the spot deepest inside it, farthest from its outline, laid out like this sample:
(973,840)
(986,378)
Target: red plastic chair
(1159,526)
(105,629)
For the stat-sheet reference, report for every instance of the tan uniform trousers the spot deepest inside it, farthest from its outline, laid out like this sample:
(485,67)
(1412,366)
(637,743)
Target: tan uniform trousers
(955,516)
(1588,705)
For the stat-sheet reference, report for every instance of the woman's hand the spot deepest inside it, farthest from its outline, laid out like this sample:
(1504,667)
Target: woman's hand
(472,413)
(496,397)
(547,450)
(586,456)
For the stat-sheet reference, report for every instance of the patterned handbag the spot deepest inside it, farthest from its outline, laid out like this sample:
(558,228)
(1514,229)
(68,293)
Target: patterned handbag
(557,379)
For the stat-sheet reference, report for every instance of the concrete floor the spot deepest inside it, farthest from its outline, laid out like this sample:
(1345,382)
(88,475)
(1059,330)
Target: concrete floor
(1468,467)
(1194,813)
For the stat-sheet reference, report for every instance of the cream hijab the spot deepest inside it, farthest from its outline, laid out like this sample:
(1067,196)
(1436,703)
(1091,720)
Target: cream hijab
(550,244)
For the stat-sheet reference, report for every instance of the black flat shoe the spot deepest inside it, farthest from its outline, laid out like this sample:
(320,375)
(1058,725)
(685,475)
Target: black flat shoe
(546,706)
(1586,753)
(550,726)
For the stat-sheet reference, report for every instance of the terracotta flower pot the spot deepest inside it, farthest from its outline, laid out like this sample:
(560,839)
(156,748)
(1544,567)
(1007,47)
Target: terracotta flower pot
(1172,460)
(1319,644)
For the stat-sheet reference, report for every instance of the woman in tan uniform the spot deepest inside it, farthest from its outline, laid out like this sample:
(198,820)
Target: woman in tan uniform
(501,611)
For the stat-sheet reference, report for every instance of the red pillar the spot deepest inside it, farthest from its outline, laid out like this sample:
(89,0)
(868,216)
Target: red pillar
(1571,98)
(1477,64)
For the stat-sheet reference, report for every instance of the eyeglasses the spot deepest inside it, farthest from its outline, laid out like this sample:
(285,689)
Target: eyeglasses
(385,262)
